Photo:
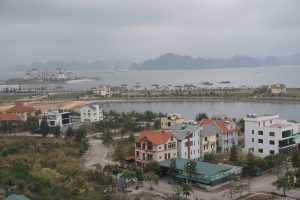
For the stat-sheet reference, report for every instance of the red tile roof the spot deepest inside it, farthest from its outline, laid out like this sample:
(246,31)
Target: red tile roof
(9,117)
(19,108)
(155,137)
(220,124)
(127,158)
(104,86)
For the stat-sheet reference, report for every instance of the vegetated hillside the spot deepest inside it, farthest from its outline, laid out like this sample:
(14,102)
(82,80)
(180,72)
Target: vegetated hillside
(171,61)
(48,168)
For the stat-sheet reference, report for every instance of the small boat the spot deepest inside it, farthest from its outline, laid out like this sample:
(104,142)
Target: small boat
(224,82)
(206,83)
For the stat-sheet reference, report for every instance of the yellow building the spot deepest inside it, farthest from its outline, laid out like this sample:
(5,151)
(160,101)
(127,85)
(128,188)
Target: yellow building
(155,146)
(170,120)
(208,139)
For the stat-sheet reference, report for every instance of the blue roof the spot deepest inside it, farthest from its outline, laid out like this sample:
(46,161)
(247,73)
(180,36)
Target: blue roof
(16,197)
(203,168)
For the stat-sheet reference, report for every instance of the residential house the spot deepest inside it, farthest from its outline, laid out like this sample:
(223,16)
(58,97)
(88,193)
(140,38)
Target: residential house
(8,122)
(91,113)
(208,139)
(155,146)
(267,134)
(22,111)
(188,138)
(228,133)
(171,120)
(207,174)
(278,89)
(9,88)
(103,90)
(56,117)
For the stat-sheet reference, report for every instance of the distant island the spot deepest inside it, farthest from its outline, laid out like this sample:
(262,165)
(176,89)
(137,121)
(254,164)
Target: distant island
(170,61)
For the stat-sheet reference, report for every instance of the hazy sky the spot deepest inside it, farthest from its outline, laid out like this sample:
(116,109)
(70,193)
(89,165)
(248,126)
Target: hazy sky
(87,30)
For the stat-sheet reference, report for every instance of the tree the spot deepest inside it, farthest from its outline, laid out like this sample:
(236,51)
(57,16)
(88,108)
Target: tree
(139,174)
(33,125)
(249,165)
(187,189)
(296,158)
(69,133)
(152,167)
(44,127)
(56,131)
(106,138)
(285,182)
(128,174)
(152,178)
(201,116)
(172,168)
(209,157)
(190,168)
(233,154)
(80,135)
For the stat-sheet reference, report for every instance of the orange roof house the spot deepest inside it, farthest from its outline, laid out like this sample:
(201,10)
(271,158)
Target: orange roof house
(21,110)
(221,124)
(155,146)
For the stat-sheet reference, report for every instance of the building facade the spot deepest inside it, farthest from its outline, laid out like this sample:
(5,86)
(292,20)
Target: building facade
(267,134)
(188,137)
(208,139)
(228,133)
(171,120)
(91,113)
(155,146)
(57,117)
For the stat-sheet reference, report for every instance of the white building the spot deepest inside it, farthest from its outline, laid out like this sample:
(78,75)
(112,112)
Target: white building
(267,134)
(184,134)
(57,117)
(9,88)
(91,113)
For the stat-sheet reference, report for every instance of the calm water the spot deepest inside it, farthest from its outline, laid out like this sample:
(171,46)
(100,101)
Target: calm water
(230,109)
(249,77)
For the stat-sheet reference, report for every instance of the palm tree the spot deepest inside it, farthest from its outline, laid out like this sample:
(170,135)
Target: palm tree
(187,189)
(152,178)
(191,168)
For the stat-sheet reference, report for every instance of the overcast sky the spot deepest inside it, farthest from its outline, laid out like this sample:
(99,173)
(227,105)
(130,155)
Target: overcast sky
(87,30)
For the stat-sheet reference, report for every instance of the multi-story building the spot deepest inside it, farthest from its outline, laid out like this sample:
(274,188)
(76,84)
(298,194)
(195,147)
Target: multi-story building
(267,134)
(22,111)
(228,133)
(171,120)
(56,117)
(91,113)
(155,146)
(208,139)
(188,138)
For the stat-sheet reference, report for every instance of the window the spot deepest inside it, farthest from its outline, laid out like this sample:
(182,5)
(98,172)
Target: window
(260,132)
(260,141)
(171,145)
(252,131)
(264,123)
(272,142)
(260,150)
(258,123)
(271,122)
(272,134)
(205,139)
(137,154)
(171,138)
(252,139)
(272,152)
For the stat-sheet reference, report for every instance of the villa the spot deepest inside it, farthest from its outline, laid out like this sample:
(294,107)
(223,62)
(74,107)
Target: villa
(103,90)
(208,139)
(188,137)
(155,146)
(278,89)
(227,135)
(91,113)
(22,111)
(56,117)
